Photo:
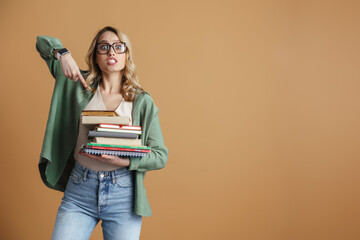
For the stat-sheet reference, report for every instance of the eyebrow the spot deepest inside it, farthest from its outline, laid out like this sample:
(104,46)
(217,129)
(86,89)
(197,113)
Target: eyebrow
(108,42)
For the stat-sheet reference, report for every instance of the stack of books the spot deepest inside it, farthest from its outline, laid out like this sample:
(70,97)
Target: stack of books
(112,135)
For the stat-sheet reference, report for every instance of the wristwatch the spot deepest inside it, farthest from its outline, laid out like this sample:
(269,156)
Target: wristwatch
(61,52)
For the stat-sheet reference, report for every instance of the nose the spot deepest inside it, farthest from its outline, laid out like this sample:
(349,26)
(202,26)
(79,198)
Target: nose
(111,51)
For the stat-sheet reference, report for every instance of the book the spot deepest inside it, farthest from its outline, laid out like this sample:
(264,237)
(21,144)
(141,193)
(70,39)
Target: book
(112,134)
(98,113)
(121,120)
(119,149)
(100,129)
(116,126)
(112,152)
(118,141)
(118,146)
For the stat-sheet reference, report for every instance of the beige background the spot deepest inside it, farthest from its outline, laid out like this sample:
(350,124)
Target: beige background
(259,107)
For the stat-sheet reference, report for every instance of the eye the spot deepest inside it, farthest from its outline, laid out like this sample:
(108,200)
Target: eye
(118,46)
(103,47)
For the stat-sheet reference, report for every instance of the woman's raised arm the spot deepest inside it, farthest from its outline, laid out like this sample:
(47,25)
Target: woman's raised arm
(47,47)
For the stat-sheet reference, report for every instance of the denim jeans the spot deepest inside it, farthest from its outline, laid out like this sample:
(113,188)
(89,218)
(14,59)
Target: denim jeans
(91,196)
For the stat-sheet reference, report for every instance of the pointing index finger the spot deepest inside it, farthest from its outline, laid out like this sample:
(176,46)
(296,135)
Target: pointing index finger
(82,79)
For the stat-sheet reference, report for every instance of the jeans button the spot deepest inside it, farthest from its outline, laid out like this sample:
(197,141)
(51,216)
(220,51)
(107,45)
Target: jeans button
(101,175)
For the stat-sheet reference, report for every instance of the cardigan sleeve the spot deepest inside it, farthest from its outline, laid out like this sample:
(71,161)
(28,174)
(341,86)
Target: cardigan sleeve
(158,156)
(45,46)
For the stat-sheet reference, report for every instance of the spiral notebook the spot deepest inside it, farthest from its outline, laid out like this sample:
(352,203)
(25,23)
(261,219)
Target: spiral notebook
(112,152)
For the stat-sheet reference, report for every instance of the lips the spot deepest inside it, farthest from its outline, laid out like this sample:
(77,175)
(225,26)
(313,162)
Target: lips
(111,61)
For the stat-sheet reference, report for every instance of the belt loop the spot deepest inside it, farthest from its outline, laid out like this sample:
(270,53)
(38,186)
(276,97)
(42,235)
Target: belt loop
(85,174)
(113,176)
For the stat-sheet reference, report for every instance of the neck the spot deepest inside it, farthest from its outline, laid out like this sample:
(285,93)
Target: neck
(111,82)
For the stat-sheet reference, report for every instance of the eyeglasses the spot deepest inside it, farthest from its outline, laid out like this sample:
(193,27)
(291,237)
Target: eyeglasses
(104,48)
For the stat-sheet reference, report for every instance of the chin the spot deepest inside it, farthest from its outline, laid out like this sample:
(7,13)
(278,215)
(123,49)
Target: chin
(111,70)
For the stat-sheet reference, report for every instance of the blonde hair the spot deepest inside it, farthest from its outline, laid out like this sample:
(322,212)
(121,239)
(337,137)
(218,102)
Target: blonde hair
(129,82)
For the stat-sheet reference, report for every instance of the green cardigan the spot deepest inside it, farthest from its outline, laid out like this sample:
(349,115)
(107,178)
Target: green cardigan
(68,100)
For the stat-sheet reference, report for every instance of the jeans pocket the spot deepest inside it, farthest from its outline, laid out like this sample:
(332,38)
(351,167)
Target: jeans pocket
(75,177)
(124,179)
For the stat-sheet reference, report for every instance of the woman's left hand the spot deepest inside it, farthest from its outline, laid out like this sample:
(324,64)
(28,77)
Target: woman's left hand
(114,160)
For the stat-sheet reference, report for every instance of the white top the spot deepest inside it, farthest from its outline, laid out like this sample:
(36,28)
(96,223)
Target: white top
(96,103)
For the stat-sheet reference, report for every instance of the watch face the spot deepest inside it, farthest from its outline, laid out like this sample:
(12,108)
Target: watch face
(62,51)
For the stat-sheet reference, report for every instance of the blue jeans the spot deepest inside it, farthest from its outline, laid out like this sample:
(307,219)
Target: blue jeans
(91,196)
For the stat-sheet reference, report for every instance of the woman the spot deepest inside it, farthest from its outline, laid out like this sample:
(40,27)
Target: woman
(105,187)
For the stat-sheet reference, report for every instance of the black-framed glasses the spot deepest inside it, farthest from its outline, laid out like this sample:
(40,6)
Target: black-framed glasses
(104,48)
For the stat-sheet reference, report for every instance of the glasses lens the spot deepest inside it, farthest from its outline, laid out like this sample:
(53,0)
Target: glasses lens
(103,47)
(119,47)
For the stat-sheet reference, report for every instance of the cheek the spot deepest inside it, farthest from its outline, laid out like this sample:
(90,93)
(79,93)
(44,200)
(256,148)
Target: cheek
(123,60)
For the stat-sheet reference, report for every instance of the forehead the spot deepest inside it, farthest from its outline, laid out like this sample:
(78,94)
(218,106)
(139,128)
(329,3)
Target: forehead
(108,37)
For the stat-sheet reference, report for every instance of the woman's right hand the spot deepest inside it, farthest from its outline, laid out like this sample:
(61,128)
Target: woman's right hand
(71,69)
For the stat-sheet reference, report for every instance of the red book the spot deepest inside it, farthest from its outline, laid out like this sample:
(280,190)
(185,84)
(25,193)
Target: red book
(121,149)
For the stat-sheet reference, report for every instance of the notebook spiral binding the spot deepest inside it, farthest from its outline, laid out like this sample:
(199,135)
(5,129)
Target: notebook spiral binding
(116,153)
